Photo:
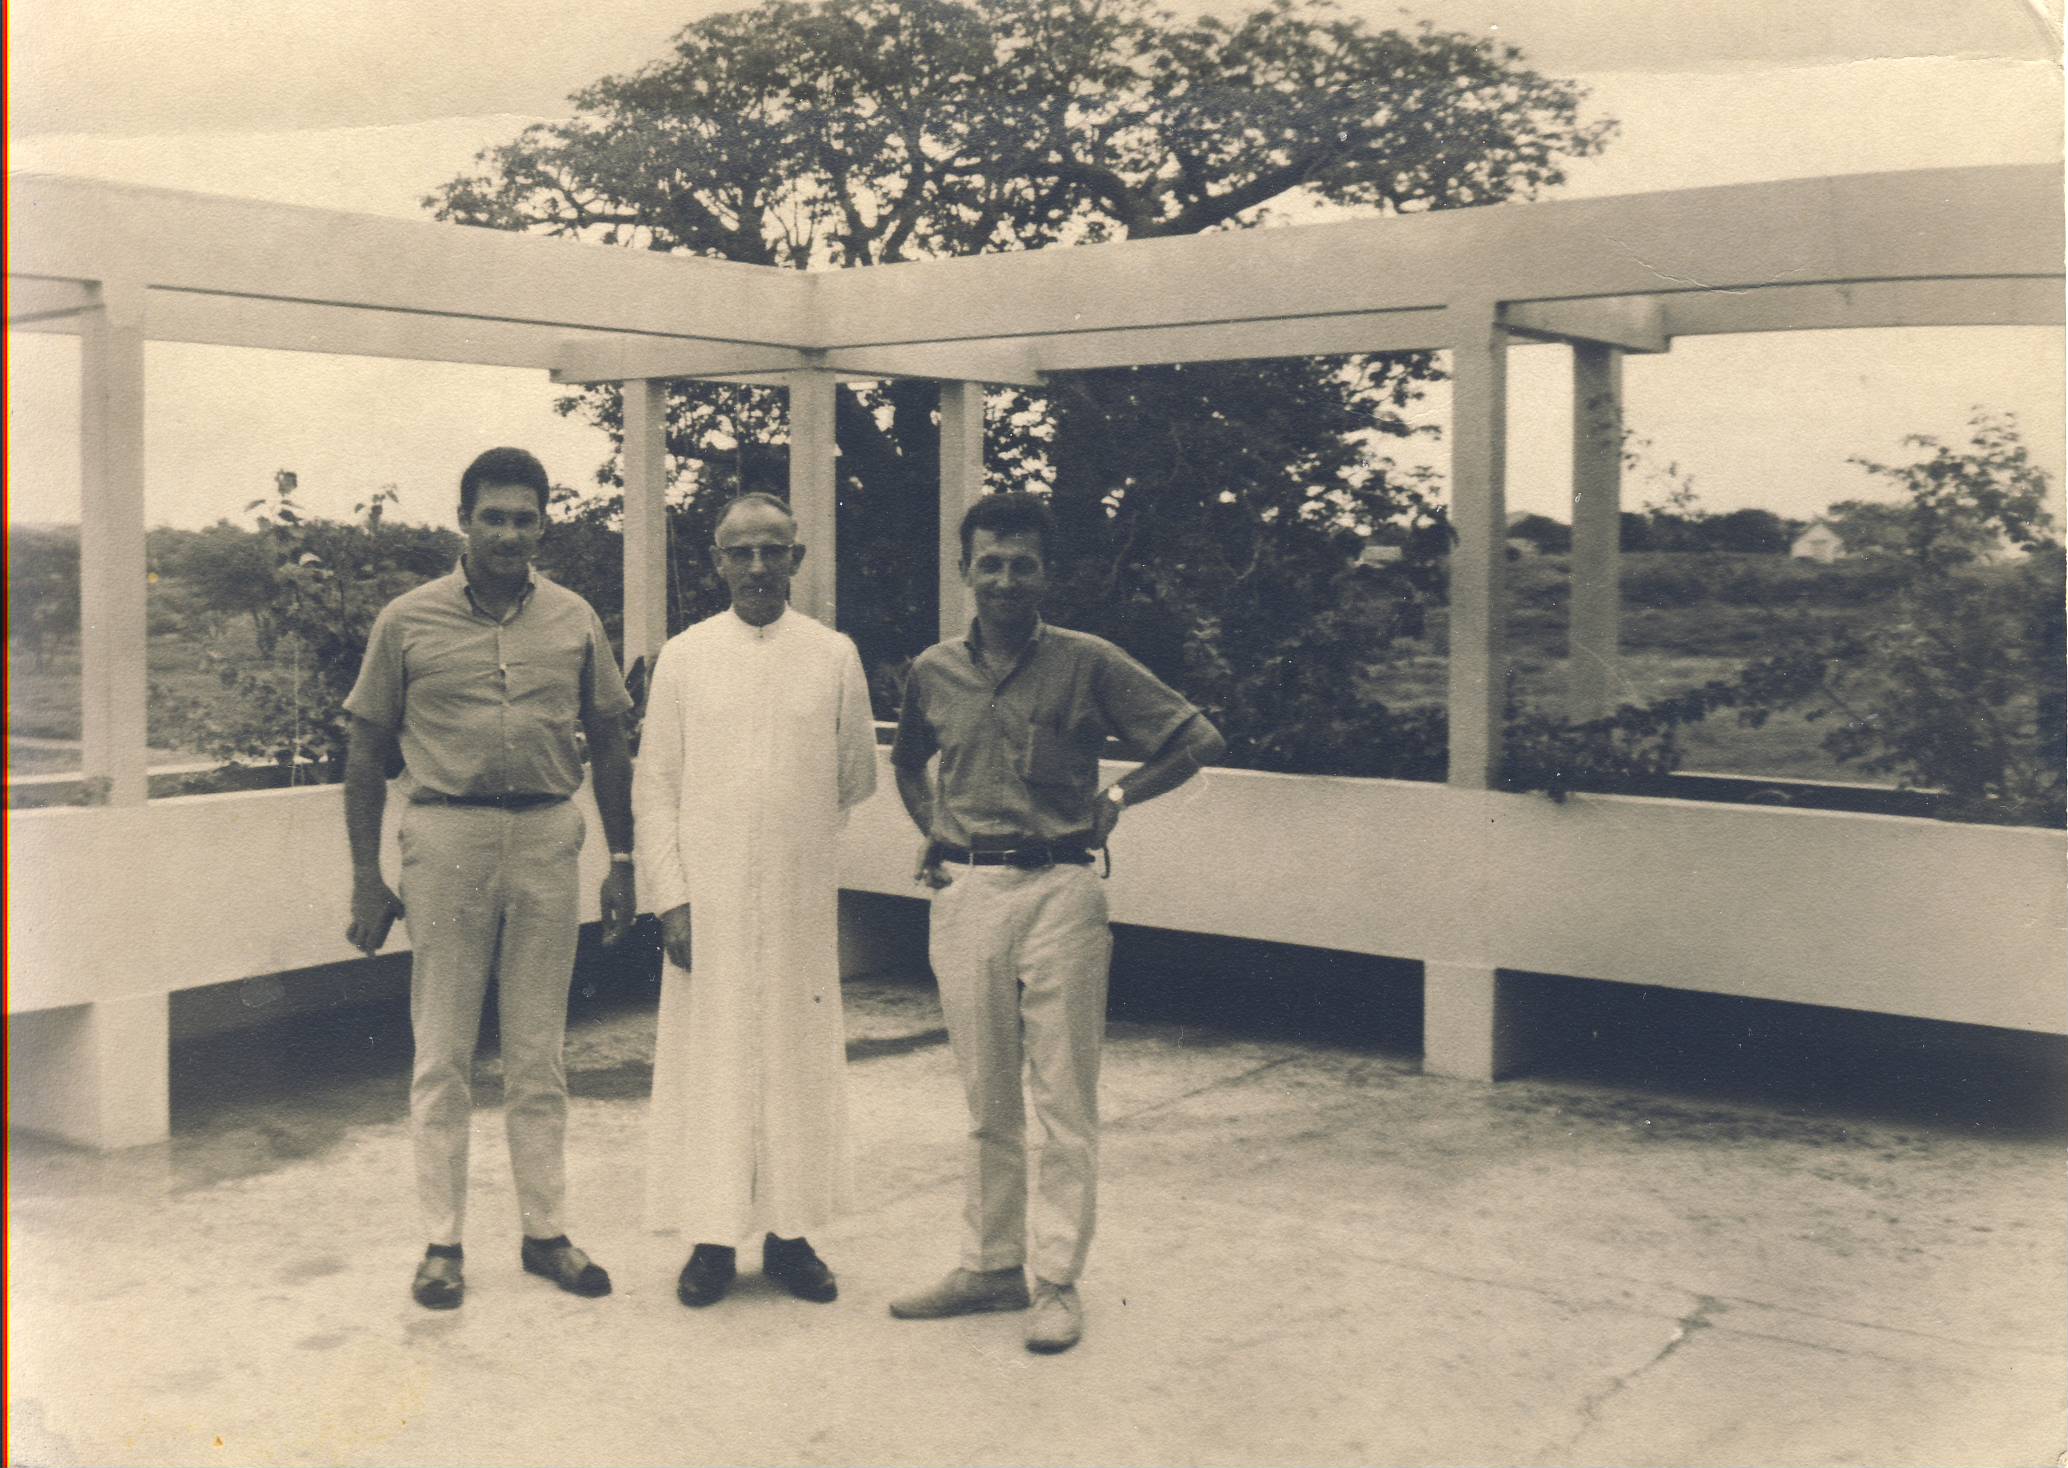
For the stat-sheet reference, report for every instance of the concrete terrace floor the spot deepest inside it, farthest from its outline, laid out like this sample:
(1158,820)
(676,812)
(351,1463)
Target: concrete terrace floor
(1709,1233)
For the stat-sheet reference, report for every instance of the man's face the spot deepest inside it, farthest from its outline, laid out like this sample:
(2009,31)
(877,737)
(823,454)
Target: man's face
(756,555)
(503,529)
(1006,574)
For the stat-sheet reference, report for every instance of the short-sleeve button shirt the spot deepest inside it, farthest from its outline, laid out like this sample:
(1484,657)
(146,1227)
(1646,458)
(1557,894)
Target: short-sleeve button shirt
(488,707)
(1020,745)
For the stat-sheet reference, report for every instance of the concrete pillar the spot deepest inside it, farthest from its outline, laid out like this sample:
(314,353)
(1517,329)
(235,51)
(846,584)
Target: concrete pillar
(93,1074)
(1468,1023)
(113,616)
(646,518)
(1478,562)
(962,481)
(1597,597)
(813,462)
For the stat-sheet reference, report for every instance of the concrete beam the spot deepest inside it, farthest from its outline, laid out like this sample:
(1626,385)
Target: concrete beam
(38,298)
(1633,324)
(1961,222)
(89,230)
(1002,362)
(1415,330)
(2010,301)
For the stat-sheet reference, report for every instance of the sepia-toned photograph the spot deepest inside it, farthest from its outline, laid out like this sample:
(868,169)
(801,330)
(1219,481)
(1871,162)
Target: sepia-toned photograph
(1109,733)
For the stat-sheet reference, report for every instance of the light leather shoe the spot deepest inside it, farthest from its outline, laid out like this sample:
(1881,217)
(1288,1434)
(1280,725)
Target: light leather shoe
(965,1292)
(1058,1318)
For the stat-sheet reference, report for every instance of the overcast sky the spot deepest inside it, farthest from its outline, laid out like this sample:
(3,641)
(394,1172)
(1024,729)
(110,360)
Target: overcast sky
(366,105)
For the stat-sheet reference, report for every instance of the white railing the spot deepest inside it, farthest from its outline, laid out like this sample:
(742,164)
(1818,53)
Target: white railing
(1884,913)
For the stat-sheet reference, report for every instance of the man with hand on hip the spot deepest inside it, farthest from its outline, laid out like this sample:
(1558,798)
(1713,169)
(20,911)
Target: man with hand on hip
(1019,712)
(481,679)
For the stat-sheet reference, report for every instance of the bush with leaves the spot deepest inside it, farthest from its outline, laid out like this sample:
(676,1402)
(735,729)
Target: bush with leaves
(323,584)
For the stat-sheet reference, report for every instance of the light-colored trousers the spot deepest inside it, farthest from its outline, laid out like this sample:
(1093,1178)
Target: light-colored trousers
(486,892)
(1021,958)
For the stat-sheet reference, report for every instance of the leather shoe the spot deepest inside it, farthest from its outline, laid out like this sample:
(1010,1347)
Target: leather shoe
(438,1284)
(794,1265)
(565,1265)
(1058,1318)
(965,1292)
(706,1277)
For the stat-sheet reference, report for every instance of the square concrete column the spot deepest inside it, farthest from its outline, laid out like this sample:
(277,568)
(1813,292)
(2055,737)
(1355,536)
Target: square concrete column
(93,1074)
(962,481)
(1592,687)
(813,464)
(1468,1027)
(1478,561)
(113,614)
(646,518)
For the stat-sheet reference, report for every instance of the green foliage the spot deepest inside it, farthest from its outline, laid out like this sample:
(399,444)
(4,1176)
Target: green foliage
(857,132)
(42,587)
(1957,688)
(317,585)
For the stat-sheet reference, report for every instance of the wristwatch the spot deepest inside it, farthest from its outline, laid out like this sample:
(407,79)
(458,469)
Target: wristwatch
(621,858)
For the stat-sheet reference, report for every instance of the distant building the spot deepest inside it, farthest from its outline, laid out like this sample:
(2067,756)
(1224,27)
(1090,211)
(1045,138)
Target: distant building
(1819,541)
(1381,555)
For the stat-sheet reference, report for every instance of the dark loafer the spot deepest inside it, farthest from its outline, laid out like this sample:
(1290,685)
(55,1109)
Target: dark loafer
(565,1265)
(438,1284)
(792,1264)
(707,1276)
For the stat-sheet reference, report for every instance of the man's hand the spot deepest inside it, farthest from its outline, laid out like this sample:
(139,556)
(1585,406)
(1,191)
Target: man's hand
(620,902)
(675,935)
(1105,815)
(928,873)
(374,910)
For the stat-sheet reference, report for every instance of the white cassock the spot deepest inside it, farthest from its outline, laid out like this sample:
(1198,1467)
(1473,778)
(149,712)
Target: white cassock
(757,740)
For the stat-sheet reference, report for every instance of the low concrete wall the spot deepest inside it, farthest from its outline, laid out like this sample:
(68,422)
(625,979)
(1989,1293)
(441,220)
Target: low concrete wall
(115,908)
(1881,913)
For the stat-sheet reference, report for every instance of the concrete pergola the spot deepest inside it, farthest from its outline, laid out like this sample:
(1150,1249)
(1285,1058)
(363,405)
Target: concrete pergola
(121,266)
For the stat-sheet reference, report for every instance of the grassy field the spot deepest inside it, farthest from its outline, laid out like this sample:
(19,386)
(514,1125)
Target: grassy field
(1686,620)
(43,702)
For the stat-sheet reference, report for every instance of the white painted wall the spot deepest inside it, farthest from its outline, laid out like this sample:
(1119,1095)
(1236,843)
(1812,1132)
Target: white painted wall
(1882,913)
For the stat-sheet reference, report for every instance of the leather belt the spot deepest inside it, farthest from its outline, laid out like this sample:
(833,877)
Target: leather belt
(1028,856)
(508,800)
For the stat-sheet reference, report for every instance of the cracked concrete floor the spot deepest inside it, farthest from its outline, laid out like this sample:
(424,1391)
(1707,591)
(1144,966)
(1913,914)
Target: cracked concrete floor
(1309,1253)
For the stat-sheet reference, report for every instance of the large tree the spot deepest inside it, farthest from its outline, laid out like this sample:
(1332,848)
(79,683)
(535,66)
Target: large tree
(860,132)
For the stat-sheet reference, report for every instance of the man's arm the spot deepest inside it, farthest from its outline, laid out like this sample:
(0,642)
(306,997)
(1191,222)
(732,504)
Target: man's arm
(374,904)
(610,765)
(916,791)
(1192,746)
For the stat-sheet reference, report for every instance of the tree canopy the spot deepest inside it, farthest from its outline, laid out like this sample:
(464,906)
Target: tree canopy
(1196,501)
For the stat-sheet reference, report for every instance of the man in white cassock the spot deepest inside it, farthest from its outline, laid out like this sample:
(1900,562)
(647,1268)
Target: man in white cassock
(757,741)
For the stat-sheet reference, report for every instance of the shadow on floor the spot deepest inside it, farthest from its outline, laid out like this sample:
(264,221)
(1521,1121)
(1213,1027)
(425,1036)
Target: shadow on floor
(1805,1059)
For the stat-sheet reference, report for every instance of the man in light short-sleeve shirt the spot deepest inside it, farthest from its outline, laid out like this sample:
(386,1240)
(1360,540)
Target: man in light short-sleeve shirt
(480,680)
(1019,713)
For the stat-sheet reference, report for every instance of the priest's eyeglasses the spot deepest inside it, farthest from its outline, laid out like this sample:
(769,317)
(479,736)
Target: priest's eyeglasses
(743,557)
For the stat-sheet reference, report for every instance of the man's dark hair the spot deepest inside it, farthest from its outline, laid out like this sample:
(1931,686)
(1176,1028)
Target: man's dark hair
(1015,512)
(504,466)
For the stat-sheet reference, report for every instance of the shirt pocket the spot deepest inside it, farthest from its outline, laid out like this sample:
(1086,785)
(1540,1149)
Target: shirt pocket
(1062,757)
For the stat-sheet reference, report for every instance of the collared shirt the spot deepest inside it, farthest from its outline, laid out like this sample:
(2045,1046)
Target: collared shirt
(1020,745)
(488,707)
